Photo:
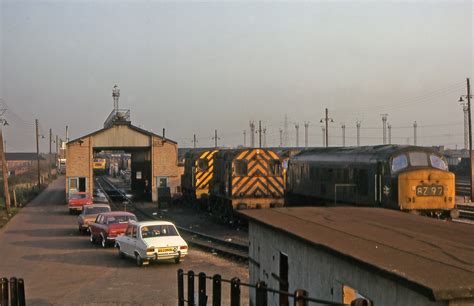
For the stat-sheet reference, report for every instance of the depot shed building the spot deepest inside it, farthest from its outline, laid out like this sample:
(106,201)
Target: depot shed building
(154,158)
(337,254)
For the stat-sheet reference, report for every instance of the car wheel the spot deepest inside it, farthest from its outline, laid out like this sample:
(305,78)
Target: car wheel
(103,241)
(138,260)
(70,211)
(120,253)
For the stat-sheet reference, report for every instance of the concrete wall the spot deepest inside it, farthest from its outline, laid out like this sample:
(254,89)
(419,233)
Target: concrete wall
(321,273)
(165,163)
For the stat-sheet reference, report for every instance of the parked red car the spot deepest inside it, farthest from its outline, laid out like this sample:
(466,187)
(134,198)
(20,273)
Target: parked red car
(77,200)
(107,226)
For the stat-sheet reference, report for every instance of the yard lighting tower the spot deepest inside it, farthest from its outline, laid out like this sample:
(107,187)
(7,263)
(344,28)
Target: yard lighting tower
(326,120)
(384,123)
(116,96)
(468,97)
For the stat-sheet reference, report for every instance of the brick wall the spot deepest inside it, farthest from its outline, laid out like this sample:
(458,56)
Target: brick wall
(165,163)
(79,161)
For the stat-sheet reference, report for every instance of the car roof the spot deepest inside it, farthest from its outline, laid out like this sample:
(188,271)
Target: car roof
(117,213)
(149,223)
(96,205)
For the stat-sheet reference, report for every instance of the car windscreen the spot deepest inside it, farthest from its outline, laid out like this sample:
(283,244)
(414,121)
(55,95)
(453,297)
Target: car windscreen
(418,159)
(96,210)
(158,231)
(120,219)
(438,162)
(76,196)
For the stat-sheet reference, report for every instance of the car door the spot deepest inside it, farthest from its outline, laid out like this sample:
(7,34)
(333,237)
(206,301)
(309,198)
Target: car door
(94,225)
(134,239)
(125,240)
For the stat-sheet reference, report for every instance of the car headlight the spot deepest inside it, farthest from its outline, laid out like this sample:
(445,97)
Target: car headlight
(150,250)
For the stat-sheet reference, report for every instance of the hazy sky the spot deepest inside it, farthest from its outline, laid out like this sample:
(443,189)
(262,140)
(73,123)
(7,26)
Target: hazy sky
(195,66)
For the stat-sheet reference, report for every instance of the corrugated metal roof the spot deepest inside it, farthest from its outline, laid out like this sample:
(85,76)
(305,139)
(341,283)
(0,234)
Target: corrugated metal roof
(431,256)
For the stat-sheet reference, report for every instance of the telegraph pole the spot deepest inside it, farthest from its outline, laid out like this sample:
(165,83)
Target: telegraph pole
(6,189)
(37,152)
(415,125)
(358,132)
(281,138)
(264,137)
(50,153)
(67,133)
(384,123)
(389,133)
(306,126)
(343,126)
(297,127)
(260,133)
(57,151)
(194,141)
(215,138)
(286,140)
(468,96)
(465,110)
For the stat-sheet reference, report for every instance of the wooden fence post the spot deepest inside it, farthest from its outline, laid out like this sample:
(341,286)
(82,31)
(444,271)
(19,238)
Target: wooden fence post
(300,298)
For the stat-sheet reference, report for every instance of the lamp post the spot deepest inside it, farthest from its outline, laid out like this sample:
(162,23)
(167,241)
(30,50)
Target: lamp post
(326,120)
(468,97)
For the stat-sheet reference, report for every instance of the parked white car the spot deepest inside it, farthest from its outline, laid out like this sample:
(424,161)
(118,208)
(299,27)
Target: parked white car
(151,241)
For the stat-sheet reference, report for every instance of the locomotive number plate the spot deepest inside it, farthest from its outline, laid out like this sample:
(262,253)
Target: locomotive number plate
(429,191)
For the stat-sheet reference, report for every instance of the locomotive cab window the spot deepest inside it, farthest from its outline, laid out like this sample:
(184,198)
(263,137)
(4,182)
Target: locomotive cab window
(399,162)
(418,159)
(203,164)
(274,167)
(438,162)
(240,168)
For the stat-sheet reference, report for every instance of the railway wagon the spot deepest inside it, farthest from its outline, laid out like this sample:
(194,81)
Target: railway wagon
(245,179)
(198,173)
(99,166)
(405,178)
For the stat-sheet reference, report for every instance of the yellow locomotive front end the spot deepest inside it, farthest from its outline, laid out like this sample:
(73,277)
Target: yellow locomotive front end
(204,167)
(427,191)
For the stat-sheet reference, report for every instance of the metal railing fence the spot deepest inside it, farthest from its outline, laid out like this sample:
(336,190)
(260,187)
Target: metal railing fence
(12,292)
(300,297)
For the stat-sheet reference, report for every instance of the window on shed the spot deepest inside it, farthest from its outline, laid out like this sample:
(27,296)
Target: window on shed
(274,167)
(283,279)
(240,168)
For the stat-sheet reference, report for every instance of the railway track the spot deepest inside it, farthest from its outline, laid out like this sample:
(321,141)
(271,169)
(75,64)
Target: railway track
(118,200)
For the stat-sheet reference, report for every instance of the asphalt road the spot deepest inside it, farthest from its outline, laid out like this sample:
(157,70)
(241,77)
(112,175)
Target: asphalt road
(60,267)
